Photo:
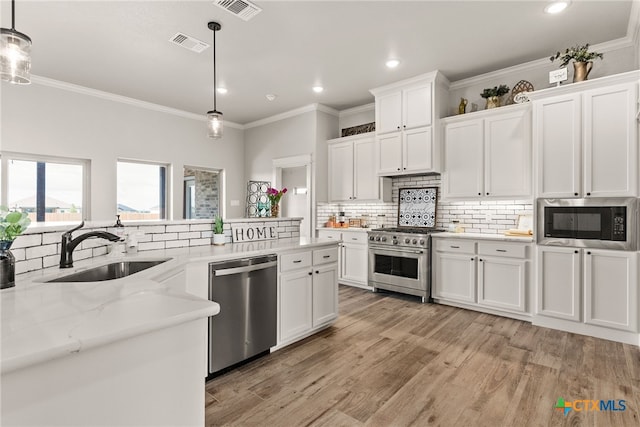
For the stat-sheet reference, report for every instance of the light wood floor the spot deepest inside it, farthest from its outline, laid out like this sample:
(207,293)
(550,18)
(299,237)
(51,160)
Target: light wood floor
(390,361)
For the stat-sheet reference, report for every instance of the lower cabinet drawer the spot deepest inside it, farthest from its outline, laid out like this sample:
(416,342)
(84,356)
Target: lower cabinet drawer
(330,234)
(510,250)
(324,256)
(295,260)
(457,245)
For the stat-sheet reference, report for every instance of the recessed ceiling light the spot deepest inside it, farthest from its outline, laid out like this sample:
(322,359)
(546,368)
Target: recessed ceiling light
(318,89)
(271,96)
(392,63)
(556,7)
(222,90)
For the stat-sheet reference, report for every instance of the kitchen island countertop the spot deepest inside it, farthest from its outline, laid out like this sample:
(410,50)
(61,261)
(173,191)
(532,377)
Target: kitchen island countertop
(43,321)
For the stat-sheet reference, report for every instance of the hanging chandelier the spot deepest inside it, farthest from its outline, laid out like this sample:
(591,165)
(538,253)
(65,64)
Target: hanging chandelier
(15,53)
(214,117)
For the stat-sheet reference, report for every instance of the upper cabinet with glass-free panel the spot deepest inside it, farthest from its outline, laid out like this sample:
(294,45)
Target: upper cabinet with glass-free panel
(407,113)
(586,138)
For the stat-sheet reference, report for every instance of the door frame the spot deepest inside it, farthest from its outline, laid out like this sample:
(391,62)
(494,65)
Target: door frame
(293,162)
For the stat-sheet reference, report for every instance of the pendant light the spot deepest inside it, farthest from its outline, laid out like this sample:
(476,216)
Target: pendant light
(214,117)
(15,53)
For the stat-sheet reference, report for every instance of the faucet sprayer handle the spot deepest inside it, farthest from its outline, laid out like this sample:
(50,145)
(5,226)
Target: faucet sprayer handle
(68,233)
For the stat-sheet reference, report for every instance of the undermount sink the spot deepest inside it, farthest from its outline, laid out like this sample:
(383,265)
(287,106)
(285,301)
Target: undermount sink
(115,270)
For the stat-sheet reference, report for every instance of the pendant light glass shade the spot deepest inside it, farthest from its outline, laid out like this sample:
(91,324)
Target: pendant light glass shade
(15,54)
(214,117)
(214,123)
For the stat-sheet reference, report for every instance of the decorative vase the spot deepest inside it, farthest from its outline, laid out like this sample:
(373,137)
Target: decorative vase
(218,239)
(581,70)
(275,210)
(493,102)
(7,265)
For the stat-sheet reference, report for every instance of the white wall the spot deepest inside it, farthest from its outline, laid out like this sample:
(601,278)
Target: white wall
(39,119)
(291,136)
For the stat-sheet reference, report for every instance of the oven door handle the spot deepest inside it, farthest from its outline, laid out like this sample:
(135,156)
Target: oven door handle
(404,251)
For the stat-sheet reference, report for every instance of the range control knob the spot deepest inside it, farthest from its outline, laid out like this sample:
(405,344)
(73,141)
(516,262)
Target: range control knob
(384,239)
(407,240)
(422,241)
(395,242)
(371,238)
(415,241)
(377,238)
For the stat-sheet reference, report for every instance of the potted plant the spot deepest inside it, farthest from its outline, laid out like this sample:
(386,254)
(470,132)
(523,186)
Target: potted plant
(12,224)
(218,231)
(274,198)
(492,95)
(582,60)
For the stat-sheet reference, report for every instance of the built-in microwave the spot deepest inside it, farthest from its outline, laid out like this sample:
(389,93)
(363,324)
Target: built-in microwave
(609,223)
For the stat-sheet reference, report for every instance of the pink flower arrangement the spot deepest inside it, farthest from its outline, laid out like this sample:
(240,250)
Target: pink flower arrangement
(275,195)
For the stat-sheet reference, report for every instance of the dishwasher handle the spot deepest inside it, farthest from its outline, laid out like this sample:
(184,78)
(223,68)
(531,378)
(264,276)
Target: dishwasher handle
(245,269)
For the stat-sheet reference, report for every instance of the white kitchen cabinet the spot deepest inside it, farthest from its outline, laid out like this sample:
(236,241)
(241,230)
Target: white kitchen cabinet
(455,277)
(353,173)
(502,283)
(325,293)
(586,139)
(353,265)
(591,287)
(559,282)
(296,299)
(307,292)
(406,116)
(485,275)
(488,154)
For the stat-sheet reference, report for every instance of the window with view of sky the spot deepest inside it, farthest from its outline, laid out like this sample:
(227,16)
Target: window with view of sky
(141,190)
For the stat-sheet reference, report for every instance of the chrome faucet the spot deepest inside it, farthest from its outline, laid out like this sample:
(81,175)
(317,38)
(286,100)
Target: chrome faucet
(69,244)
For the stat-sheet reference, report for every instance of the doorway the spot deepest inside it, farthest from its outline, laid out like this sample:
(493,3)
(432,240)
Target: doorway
(294,174)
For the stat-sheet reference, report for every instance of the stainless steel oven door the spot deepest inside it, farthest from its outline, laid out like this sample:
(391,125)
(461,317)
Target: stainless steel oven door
(406,268)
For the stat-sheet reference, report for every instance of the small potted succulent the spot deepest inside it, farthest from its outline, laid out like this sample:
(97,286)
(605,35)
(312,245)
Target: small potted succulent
(12,224)
(492,95)
(218,231)
(582,60)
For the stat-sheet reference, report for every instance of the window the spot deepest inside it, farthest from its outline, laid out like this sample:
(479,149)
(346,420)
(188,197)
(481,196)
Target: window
(142,190)
(48,188)
(201,197)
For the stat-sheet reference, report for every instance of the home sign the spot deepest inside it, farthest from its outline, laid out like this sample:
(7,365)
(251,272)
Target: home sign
(253,233)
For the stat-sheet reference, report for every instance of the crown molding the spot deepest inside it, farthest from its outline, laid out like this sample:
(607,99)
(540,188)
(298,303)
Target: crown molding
(355,110)
(608,46)
(292,113)
(70,87)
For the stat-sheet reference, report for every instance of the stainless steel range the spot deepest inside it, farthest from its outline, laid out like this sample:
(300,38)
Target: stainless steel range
(400,260)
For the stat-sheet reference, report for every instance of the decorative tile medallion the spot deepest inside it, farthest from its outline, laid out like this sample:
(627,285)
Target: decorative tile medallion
(417,207)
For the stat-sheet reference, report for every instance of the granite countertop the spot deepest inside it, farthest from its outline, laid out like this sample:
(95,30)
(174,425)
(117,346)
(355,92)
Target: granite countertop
(43,321)
(484,236)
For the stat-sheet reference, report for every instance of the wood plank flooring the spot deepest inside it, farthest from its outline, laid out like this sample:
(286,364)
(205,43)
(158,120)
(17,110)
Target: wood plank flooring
(391,361)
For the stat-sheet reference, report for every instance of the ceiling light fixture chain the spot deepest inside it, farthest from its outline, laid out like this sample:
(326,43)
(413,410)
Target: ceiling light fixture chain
(15,53)
(214,117)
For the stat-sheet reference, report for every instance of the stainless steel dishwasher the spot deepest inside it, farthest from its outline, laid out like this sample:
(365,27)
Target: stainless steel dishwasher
(246,290)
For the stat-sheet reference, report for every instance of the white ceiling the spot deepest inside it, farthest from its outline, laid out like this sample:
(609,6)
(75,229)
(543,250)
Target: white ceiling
(122,47)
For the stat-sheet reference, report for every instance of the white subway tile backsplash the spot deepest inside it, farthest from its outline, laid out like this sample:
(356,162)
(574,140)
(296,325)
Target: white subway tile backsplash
(472,214)
(37,250)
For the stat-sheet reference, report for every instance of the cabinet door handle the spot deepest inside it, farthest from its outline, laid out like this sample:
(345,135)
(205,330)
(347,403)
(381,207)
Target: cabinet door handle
(326,256)
(588,194)
(471,259)
(297,261)
(501,250)
(398,168)
(480,260)
(575,252)
(405,168)
(404,126)
(317,272)
(398,127)
(455,247)
(575,194)
(589,253)
(479,194)
(354,238)
(487,194)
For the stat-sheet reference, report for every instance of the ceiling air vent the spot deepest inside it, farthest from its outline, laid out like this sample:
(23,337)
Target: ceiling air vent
(188,42)
(241,8)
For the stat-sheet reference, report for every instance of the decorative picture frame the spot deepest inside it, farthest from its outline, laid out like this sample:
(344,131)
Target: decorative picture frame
(417,207)
(257,200)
